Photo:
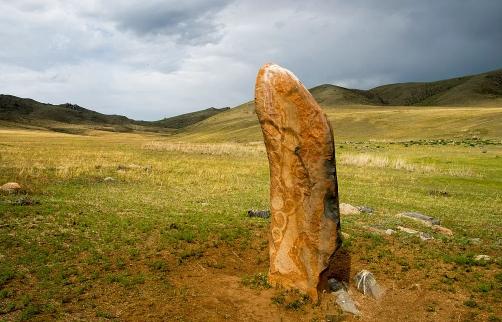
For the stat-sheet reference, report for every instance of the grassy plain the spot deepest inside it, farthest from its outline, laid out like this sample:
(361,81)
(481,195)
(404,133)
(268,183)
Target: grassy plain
(167,238)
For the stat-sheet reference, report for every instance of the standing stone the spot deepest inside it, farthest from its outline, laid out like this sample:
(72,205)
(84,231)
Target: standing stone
(305,221)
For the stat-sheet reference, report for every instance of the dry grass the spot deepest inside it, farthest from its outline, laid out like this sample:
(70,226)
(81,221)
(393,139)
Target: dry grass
(373,161)
(92,248)
(236,149)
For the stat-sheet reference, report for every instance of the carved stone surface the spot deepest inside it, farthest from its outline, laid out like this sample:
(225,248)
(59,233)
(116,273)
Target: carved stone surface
(303,187)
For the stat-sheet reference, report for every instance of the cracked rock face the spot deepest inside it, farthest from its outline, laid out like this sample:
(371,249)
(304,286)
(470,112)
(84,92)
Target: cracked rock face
(305,226)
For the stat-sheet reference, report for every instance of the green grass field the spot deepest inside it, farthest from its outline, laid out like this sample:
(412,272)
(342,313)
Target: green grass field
(168,238)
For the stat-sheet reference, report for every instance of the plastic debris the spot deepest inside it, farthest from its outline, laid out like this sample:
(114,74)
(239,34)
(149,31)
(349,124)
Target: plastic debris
(367,284)
(345,302)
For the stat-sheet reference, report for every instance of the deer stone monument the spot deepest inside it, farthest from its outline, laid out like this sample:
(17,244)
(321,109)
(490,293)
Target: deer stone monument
(305,224)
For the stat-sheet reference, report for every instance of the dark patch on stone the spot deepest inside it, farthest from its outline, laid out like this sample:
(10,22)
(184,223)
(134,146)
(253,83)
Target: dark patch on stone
(339,267)
(331,209)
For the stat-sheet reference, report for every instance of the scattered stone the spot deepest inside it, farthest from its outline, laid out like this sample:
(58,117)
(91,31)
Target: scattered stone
(335,285)
(303,186)
(347,209)
(427,220)
(442,230)
(480,258)
(345,302)
(390,231)
(425,236)
(407,230)
(367,284)
(11,187)
(345,235)
(365,209)
(475,241)
(108,179)
(374,229)
(26,201)
(439,193)
(259,213)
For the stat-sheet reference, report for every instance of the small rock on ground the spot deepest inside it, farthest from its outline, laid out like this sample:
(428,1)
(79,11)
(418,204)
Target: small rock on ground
(475,241)
(11,187)
(365,209)
(425,236)
(108,179)
(485,258)
(345,302)
(26,201)
(427,220)
(442,230)
(347,209)
(390,231)
(407,230)
(259,213)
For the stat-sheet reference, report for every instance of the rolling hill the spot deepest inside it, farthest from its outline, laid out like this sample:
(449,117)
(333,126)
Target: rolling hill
(75,119)
(482,90)
(459,107)
(474,90)
(183,120)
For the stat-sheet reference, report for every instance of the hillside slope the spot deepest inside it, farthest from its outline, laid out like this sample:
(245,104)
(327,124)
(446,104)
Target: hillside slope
(355,123)
(332,95)
(474,90)
(73,118)
(183,120)
(28,111)
(482,90)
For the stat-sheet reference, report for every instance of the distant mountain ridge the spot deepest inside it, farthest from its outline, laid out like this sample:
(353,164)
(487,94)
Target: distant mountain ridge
(30,112)
(473,90)
(460,91)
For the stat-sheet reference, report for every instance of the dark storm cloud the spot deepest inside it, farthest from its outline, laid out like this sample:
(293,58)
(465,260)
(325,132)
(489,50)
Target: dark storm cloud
(150,58)
(187,21)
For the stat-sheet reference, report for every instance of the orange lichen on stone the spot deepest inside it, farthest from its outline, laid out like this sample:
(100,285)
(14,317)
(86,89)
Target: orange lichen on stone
(303,187)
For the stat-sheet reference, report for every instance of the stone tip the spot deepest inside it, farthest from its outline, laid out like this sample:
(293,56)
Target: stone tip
(269,70)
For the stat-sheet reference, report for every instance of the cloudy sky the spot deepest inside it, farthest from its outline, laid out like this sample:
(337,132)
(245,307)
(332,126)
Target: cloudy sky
(148,59)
